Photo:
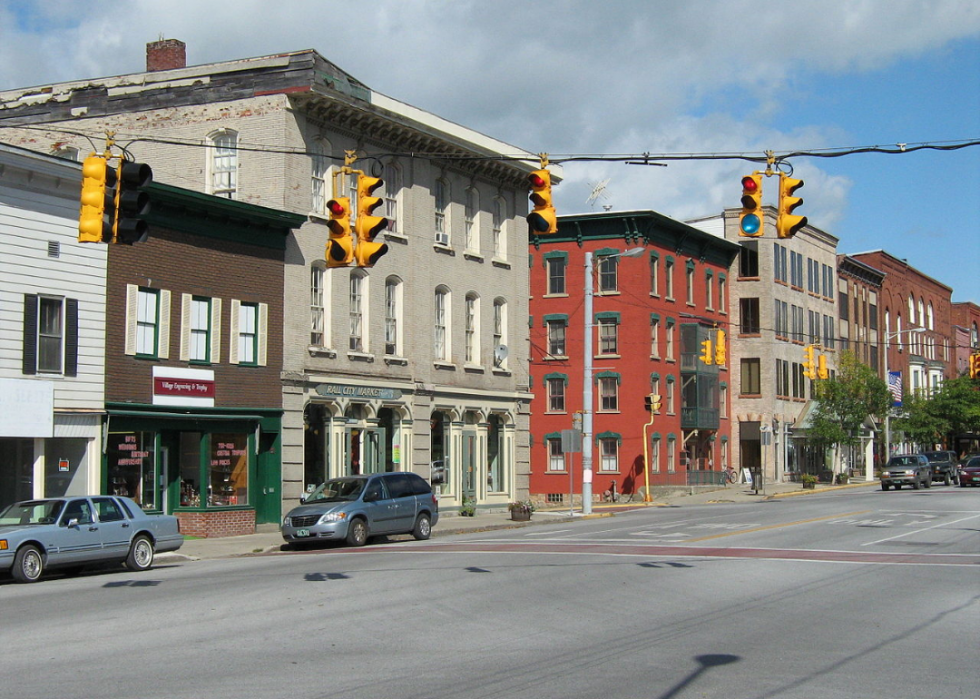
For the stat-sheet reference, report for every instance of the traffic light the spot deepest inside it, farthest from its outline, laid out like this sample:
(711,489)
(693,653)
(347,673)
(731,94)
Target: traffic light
(707,354)
(809,363)
(543,220)
(822,372)
(651,402)
(750,220)
(340,245)
(720,348)
(975,365)
(98,201)
(132,203)
(787,224)
(367,225)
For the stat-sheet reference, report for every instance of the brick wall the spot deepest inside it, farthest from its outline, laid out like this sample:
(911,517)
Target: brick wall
(215,524)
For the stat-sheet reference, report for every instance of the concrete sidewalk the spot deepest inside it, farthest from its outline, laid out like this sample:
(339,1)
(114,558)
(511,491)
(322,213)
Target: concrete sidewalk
(451,523)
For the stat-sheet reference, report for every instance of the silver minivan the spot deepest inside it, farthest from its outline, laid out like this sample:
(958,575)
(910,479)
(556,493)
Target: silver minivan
(355,508)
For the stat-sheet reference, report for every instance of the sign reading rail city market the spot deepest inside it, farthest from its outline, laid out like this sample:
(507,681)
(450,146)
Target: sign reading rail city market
(367,392)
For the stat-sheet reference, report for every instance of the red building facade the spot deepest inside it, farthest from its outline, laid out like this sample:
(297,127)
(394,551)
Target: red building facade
(656,309)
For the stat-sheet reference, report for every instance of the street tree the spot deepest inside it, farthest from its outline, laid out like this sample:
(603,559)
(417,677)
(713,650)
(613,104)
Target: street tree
(844,402)
(930,420)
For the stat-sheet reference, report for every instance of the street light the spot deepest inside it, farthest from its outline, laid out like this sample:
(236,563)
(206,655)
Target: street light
(888,413)
(587,379)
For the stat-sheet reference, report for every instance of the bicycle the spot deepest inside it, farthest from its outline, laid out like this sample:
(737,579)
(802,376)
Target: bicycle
(731,475)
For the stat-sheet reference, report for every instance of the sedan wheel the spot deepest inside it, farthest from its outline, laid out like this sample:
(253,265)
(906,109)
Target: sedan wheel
(28,565)
(140,556)
(357,533)
(884,486)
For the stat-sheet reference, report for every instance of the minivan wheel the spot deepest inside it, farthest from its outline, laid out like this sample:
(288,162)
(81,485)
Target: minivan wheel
(423,528)
(357,533)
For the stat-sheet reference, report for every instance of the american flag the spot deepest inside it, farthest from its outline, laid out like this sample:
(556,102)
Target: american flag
(895,386)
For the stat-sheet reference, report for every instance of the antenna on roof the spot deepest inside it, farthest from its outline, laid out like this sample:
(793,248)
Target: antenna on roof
(598,191)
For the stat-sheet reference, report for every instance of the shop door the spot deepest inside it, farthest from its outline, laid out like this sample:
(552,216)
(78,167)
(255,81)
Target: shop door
(352,452)
(469,464)
(373,443)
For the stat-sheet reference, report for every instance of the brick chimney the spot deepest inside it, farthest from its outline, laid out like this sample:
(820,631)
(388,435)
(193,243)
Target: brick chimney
(165,54)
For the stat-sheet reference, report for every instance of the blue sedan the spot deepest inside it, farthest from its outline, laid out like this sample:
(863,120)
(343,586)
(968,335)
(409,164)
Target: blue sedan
(73,532)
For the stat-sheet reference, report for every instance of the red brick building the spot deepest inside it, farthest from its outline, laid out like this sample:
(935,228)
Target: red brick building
(966,317)
(651,315)
(193,363)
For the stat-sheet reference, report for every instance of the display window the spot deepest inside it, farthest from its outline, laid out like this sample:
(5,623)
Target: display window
(228,470)
(131,467)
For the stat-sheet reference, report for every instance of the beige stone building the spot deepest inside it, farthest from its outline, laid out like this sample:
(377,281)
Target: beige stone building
(419,363)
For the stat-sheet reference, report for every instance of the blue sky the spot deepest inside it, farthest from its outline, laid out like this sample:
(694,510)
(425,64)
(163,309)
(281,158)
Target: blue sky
(626,76)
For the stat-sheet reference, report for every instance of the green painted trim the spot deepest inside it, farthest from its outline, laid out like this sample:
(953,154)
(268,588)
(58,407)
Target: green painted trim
(654,317)
(549,317)
(556,375)
(603,252)
(610,435)
(608,315)
(607,375)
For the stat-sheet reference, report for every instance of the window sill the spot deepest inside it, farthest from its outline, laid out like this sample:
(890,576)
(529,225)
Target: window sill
(474,369)
(608,356)
(399,361)
(555,296)
(322,352)
(501,372)
(360,357)
(497,262)
(396,238)
(556,358)
(446,366)
(444,249)
(615,292)
(475,256)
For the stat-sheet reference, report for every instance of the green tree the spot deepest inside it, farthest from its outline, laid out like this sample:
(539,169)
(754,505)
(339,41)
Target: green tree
(953,409)
(844,402)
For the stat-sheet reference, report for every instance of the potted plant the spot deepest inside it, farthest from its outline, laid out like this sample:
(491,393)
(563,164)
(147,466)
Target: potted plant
(842,478)
(520,511)
(468,508)
(809,481)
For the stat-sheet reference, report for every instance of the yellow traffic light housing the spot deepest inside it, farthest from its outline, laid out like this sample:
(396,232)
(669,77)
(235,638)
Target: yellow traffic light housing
(543,220)
(822,371)
(651,402)
(809,362)
(787,225)
(340,245)
(367,225)
(975,365)
(707,353)
(97,212)
(751,219)
(721,350)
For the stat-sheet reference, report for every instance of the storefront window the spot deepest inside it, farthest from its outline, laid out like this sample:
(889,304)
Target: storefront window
(495,461)
(440,473)
(131,467)
(228,470)
(65,467)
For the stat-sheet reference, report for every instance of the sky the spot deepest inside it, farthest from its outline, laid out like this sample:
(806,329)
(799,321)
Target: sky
(618,77)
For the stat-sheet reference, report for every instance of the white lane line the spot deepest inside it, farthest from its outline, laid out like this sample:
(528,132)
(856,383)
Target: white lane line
(917,531)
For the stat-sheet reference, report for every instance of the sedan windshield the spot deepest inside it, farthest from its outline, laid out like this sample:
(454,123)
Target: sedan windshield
(32,512)
(338,490)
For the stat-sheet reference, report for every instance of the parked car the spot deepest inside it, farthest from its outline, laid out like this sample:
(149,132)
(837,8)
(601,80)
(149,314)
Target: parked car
(943,465)
(355,508)
(969,471)
(73,532)
(906,469)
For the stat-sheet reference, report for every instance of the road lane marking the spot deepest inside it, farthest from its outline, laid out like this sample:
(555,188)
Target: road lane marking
(917,531)
(778,526)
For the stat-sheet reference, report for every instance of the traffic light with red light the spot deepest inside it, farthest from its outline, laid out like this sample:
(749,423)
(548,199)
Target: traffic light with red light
(721,351)
(787,225)
(367,225)
(809,362)
(340,245)
(751,218)
(707,353)
(543,220)
(98,201)
(132,203)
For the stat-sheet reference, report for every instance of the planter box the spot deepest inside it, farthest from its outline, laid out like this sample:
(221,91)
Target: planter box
(520,516)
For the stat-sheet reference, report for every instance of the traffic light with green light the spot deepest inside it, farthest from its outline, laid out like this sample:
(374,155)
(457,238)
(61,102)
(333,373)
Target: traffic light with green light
(751,219)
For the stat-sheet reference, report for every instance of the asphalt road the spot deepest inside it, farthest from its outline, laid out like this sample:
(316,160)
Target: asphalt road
(859,594)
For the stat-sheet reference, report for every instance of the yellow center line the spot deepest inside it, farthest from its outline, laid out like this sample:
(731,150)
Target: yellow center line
(777,526)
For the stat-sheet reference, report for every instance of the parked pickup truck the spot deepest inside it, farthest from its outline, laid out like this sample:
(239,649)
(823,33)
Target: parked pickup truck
(943,464)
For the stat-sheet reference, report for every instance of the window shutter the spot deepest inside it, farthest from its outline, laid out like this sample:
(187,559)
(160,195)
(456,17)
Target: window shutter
(30,334)
(71,337)
(185,327)
(163,330)
(216,331)
(236,308)
(132,299)
(263,335)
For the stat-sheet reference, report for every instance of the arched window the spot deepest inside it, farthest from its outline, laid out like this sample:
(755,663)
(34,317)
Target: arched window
(472,329)
(929,317)
(320,183)
(442,344)
(358,312)
(472,220)
(911,310)
(222,165)
(499,348)
(393,316)
(442,194)
(499,228)
(392,196)
(319,305)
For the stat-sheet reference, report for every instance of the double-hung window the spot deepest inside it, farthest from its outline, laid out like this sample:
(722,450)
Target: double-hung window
(441,209)
(318,306)
(608,394)
(441,338)
(50,335)
(608,274)
(608,333)
(356,298)
(223,164)
(556,336)
(608,454)
(200,329)
(147,322)
(472,329)
(556,265)
(556,392)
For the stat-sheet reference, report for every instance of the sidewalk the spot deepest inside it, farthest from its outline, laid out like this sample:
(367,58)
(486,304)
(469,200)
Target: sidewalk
(269,542)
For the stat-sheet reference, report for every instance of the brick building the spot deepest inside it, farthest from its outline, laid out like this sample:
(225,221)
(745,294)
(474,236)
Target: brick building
(650,315)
